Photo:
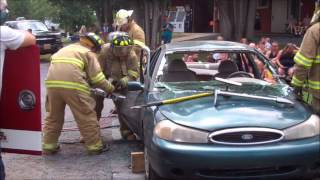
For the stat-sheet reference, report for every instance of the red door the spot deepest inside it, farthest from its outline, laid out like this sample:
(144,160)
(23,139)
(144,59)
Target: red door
(20,106)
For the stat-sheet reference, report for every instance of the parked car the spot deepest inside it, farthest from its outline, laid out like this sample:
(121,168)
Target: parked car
(230,117)
(47,41)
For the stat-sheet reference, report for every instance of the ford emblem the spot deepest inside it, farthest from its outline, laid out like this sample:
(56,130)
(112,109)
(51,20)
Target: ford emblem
(247,137)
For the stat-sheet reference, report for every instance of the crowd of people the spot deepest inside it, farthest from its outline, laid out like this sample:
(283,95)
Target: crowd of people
(280,57)
(298,28)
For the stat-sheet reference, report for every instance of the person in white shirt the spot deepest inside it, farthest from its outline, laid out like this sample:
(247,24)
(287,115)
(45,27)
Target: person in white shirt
(10,39)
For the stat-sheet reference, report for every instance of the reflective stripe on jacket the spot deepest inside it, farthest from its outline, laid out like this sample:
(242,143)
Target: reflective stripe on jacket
(307,62)
(116,67)
(76,67)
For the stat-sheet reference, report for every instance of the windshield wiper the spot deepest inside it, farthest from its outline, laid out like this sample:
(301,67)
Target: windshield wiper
(274,99)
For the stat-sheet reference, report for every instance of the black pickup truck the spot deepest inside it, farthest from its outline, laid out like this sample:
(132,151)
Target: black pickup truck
(47,41)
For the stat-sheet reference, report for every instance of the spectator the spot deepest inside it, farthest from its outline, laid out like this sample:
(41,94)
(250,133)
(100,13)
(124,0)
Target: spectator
(299,29)
(167,30)
(83,30)
(252,44)
(10,39)
(244,41)
(220,38)
(286,62)
(262,47)
(106,29)
(267,42)
(291,24)
(264,72)
(274,53)
(192,58)
(306,21)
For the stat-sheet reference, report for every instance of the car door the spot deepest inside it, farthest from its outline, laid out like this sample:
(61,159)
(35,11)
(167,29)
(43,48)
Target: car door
(20,106)
(134,117)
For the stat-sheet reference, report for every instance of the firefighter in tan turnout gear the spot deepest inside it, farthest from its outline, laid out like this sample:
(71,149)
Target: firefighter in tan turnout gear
(307,64)
(73,70)
(120,65)
(125,23)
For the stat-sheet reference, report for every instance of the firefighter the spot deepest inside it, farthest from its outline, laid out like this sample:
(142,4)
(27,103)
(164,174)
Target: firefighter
(307,64)
(125,23)
(120,64)
(73,70)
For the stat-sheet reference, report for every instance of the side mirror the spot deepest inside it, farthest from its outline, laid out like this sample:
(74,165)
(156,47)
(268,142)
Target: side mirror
(135,86)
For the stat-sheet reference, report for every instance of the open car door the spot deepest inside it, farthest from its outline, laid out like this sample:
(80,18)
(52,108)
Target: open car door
(20,106)
(134,117)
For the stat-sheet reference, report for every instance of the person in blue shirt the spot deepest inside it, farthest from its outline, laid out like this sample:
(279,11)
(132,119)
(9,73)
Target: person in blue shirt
(167,30)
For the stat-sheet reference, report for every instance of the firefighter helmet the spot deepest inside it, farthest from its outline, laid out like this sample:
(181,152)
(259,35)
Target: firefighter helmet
(122,17)
(121,40)
(92,40)
(121,45)
(316,15)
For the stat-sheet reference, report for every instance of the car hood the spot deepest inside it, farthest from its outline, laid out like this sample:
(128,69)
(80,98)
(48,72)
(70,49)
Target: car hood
(231,112)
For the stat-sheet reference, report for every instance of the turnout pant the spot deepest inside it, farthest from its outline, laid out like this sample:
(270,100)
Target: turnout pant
(82,106)
(124,129)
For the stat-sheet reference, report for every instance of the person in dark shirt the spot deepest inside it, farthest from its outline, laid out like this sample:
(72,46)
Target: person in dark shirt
(286,60)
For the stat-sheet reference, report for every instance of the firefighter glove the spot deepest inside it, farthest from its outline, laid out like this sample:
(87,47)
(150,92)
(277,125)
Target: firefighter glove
(120,84)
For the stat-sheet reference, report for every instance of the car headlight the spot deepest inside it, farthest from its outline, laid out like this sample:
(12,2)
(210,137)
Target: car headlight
(173,132)
(309,128)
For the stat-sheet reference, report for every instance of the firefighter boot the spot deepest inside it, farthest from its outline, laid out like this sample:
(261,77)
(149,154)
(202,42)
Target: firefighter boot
(98,148)
(50,149)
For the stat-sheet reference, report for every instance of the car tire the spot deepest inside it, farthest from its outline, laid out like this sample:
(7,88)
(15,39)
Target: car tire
(150,174)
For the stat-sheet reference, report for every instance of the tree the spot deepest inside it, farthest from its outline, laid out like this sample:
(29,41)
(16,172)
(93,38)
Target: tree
(74,13)
(32,9)
(153,11)
(237,18)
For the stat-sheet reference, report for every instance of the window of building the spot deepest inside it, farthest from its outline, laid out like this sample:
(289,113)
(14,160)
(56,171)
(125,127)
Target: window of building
(263,4)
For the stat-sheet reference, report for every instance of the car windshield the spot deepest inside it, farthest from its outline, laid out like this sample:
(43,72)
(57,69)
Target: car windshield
(33,25)
(196,71)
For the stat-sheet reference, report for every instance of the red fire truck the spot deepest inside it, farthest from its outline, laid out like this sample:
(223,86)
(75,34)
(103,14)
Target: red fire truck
(20,106)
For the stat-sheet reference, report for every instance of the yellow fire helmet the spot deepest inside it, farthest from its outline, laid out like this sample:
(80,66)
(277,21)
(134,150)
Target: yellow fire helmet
(121,40)
(121,45)
(91,40)
(122,17)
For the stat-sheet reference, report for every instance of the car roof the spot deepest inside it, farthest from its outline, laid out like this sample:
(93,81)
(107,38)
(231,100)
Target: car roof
(206,46)
(22,21)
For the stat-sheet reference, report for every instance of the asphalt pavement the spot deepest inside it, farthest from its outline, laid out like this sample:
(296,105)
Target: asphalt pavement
(72,162)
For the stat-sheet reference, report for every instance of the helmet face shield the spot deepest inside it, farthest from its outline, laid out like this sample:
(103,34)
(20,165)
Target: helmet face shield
(121,50)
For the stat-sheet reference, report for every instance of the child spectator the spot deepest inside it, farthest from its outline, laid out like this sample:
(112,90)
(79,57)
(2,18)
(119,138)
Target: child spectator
(167,31)
(244,41)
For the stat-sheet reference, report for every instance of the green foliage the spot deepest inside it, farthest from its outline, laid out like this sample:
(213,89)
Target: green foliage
(74,13)
(69,13)
(32,9)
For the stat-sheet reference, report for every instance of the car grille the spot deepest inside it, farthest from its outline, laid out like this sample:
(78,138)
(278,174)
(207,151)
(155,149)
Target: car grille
(246,136)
